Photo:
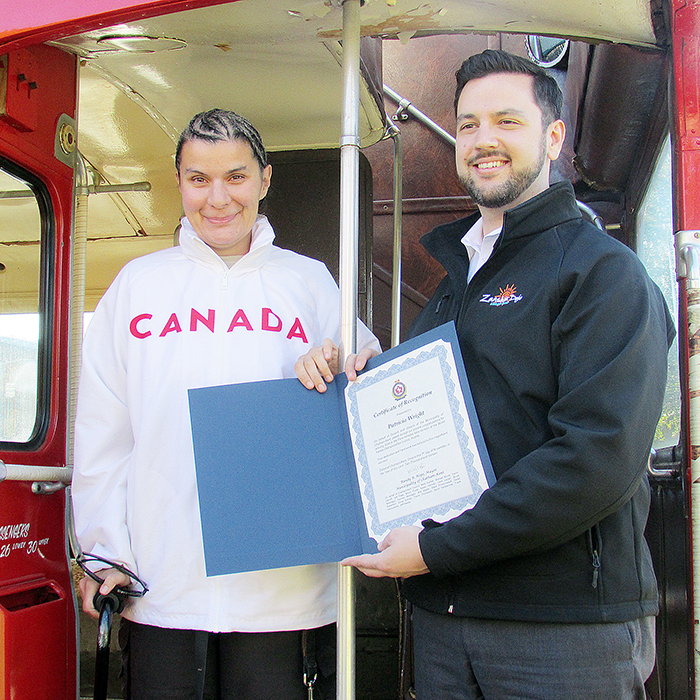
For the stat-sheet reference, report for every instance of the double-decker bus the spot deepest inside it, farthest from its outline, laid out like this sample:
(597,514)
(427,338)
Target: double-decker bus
(354,102)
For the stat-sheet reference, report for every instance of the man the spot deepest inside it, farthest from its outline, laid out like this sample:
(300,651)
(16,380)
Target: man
(545,589)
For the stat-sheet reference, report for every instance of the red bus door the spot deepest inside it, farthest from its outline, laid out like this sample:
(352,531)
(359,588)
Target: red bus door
(37,145)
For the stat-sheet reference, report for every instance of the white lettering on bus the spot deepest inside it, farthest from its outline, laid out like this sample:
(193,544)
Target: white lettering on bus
(14,532)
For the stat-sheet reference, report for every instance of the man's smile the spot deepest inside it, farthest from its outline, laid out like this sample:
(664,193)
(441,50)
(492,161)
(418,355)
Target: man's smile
(486,161)
(491,164)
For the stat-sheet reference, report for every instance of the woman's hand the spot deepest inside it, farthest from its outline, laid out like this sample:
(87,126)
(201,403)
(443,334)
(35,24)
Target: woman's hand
(88,588)
(318,366)
(321,364)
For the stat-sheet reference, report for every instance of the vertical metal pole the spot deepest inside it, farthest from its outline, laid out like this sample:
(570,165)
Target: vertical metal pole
(689,257)
(79,242)
(349,244)
(685,24)
(395,134)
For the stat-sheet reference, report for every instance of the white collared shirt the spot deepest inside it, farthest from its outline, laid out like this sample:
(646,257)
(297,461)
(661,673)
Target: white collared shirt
(479,246)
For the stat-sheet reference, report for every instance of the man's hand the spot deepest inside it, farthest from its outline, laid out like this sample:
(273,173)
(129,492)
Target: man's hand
(399,556)
(320,364)
(88,588)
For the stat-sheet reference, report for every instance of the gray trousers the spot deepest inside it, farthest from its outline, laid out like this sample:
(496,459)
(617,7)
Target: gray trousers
(473,659)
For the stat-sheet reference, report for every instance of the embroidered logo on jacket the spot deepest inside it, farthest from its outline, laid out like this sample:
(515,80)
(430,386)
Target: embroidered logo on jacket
(506,296)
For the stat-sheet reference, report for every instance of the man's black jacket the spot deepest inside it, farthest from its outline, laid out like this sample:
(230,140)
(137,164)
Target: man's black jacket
(565,342)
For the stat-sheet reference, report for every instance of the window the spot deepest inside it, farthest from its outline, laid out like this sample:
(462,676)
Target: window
(656,250)
(23,319)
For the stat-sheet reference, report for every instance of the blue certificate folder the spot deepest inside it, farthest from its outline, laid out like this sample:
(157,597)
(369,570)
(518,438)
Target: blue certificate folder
(276,473)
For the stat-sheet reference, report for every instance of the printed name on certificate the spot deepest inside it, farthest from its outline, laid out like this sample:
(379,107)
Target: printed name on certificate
(413,443)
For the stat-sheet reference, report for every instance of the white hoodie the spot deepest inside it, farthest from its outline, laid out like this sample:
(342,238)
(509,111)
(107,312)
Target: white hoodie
(170,321)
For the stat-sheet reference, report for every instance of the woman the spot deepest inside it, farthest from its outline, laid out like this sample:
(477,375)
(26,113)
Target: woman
(224,306)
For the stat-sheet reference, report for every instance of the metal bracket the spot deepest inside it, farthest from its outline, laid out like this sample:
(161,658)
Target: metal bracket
(66,140)
(665,462)
(402,111)
(687,245)
(43,488)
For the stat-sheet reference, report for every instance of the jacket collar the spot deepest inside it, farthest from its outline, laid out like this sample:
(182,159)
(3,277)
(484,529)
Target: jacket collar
(196,249)
(554,206)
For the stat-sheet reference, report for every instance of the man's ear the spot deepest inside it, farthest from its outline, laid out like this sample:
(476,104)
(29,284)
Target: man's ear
(556,132)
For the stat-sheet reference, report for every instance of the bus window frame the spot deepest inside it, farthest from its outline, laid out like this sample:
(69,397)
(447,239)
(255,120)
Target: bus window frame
(46,307)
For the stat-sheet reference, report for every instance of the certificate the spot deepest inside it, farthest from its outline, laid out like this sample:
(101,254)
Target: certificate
(309,478)
(414,446)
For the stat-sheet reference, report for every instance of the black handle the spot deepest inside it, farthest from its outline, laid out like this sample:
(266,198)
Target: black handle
(106,605)
(113,598)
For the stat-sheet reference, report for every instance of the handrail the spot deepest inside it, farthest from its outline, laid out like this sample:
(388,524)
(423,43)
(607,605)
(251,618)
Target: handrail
(25,472)
(142,186)
(405,105)
(594,217)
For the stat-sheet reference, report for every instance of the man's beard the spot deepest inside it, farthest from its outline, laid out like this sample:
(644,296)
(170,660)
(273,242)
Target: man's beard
(508,191)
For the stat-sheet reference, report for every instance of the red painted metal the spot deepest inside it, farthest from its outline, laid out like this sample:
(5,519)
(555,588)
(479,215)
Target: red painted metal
(21,103)
(37,615)
(34,151)
(38,646)
(26,22)
(686,64)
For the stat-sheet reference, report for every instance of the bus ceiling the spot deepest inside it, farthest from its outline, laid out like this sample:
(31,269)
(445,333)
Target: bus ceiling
(626,21)
(275,61)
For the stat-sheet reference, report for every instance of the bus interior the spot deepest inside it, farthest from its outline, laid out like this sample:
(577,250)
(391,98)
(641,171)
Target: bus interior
(91,106)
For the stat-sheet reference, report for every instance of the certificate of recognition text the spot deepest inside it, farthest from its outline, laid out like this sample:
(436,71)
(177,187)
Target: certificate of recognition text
(413,442)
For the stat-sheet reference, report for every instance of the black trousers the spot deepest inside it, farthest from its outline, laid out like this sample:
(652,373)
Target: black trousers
(172,664)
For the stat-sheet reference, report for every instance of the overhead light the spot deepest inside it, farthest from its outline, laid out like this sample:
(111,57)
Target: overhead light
(141,44)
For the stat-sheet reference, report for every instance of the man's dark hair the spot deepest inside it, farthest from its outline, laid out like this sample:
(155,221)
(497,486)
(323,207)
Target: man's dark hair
(547,94)
(222,125)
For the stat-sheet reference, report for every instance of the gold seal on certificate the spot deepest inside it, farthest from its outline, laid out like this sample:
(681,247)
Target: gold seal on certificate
(414,444)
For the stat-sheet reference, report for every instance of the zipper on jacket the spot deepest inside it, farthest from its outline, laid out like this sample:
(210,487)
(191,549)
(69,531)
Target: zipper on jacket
(596,568)
(439,304)
(450,600)
(595,546)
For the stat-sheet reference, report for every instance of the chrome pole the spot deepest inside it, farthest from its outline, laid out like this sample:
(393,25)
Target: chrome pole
(349,244)
(687,244)
(395,134)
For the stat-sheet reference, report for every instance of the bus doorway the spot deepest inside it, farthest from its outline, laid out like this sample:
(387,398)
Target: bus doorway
(37,145)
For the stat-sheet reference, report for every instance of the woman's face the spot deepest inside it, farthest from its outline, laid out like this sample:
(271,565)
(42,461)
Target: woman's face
(221,186)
